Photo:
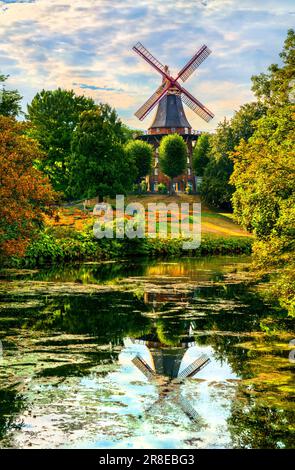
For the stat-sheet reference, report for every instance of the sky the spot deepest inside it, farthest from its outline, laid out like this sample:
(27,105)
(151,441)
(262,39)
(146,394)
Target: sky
(86,45)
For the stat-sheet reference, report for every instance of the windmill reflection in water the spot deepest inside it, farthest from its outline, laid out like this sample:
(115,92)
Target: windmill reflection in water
(167,367)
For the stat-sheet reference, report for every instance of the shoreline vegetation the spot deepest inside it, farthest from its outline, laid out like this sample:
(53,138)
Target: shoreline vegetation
(69,237)
(49,249)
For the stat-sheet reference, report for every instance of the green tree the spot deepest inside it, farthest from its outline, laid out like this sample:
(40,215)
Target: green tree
(264,200)
(264,177)
(172,156)
(277,85)
(99,166)
(201,154)
(9,100)
(216,189)
(53,116)
(141,153)
(129,134)
(243,121)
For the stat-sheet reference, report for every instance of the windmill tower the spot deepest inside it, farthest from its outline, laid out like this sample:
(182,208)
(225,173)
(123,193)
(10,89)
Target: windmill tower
(170,116)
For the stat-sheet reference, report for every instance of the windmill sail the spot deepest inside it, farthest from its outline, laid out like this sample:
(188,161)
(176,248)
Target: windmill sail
(194,367)
(152,101)
(143,52)
(143,366)
(188,409)
(196,106)
(194,63)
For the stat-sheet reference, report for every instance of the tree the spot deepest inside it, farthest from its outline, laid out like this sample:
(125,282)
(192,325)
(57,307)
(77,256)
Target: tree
(264,200)
(278,85)
(141,153)
(25,193)
(129,134)
(9,100)
(53,116)
(216,189)
(264,178)
(99,166)
(201,154)
(172,156)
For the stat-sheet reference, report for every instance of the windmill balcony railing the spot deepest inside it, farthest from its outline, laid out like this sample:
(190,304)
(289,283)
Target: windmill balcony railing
(193,132)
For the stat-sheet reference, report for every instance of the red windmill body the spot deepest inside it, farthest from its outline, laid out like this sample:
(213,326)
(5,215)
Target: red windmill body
(170,116)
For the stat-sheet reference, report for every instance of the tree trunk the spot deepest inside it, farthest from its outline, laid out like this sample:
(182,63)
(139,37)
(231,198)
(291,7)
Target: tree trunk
(171,188)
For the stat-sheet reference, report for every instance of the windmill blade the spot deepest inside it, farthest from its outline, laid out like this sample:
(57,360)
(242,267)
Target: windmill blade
(194,367)
(188,409)
(143,52)
(143,366)
(196,105)
(152,101)
(194,63)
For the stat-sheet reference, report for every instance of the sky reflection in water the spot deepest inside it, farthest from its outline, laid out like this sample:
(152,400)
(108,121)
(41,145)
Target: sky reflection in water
(67,378)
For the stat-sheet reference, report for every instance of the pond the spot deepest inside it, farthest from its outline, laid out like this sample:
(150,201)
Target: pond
(149,354)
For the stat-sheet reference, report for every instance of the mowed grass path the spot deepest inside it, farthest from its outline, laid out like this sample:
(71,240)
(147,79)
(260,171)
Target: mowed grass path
(214,223)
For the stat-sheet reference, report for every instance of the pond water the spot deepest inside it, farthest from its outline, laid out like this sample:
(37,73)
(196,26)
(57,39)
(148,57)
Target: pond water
(160,354)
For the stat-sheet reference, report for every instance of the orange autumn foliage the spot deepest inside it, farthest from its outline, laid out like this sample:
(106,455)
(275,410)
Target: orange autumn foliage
(25,193)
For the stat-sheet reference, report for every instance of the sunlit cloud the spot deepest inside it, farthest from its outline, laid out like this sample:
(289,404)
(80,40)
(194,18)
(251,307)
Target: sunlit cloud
(86,45)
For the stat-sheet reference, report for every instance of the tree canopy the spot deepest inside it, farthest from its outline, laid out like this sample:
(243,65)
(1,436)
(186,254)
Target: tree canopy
(99,166)
(53,116)
(9,100)
(277,86)
(173,155)
(216,189)
(141,153)
(25,193)
(264,178)
(201,154)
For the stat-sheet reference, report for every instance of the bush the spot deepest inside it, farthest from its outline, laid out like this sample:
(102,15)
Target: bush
(48,249)
(162,188)
(51,248)
(188,189)
(143,186)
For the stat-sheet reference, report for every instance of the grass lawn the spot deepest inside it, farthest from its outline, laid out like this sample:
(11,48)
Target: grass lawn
(214,223)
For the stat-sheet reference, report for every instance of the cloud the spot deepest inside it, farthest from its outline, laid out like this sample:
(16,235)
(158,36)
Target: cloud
(94,87)
(17,1)
(87,44)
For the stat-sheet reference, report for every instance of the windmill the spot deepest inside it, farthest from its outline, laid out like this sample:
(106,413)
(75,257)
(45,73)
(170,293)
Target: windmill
(171,85)
(170,116)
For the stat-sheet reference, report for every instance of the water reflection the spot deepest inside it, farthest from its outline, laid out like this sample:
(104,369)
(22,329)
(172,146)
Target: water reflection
(165,355)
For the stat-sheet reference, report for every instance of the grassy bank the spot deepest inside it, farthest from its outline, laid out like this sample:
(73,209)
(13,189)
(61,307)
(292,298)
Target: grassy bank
(69,236)
(214,223)
(50,248)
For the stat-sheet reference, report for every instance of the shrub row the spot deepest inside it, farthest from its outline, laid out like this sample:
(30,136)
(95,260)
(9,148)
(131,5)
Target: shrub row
(51,248)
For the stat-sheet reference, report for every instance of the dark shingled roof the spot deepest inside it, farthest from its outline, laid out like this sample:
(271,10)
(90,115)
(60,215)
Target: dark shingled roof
(170,113)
